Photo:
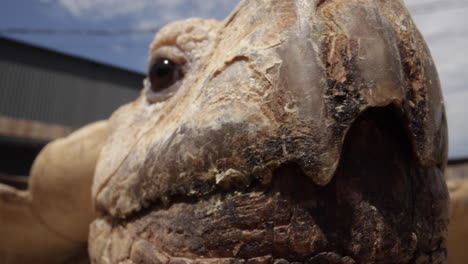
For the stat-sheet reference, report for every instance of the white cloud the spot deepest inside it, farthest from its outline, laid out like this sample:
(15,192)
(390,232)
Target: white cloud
(157,10)
(103,9)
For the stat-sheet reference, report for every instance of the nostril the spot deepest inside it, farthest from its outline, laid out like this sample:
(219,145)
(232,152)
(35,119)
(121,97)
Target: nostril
(375,165)
(381,191)
(377,159)
(369,209)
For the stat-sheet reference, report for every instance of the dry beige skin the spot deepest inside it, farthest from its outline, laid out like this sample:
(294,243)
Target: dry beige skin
(302,131)
(49,223)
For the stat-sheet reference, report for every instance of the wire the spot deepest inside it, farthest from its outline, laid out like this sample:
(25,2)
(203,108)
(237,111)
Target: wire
(76,32)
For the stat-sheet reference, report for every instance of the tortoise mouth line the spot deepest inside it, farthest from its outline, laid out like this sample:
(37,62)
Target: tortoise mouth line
(290,220)
(374,210)
(289,179)
(142,252)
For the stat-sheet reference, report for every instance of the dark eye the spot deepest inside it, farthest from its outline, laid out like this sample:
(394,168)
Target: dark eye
(163,73)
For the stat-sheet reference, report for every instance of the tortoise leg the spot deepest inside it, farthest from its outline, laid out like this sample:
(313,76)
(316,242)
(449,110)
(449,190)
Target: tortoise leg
(24,237)
(49,222)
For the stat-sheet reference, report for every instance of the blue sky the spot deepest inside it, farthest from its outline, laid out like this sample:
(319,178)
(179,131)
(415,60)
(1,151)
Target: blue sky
(442,22)
(127,51)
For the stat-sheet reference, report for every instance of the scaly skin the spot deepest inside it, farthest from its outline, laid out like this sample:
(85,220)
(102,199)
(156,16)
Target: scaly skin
(302,131)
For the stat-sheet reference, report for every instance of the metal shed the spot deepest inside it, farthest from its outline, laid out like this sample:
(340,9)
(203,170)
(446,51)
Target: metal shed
(45,94)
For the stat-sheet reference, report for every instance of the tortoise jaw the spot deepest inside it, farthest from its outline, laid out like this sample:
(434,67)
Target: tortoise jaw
(263,224)
(380,207)
(145,252)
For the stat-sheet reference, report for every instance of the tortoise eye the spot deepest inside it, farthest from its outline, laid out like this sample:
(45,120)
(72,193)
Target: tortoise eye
(163,73)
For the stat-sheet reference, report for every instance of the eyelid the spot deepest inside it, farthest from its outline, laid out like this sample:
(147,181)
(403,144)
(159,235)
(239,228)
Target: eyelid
(169,52)
(155,97)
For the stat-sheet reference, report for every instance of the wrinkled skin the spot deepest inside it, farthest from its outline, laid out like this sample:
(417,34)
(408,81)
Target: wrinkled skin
(218,170)
(302,131)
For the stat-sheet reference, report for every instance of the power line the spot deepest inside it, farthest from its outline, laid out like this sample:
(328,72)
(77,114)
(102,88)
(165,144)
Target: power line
(77,32)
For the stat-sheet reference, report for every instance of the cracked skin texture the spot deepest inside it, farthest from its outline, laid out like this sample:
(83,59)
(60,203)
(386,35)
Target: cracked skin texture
(213,172)
(302,131)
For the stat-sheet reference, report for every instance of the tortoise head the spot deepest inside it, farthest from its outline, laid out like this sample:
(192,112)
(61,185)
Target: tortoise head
(291,131)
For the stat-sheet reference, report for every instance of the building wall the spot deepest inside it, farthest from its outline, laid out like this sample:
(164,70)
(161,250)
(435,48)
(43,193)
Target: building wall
(45,95)
(457,169)
(42,85)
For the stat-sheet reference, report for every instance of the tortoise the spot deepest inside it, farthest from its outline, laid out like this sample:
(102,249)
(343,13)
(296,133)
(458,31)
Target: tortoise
(301,131)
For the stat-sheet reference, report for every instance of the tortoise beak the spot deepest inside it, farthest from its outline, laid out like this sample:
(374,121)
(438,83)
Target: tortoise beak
(378,207)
